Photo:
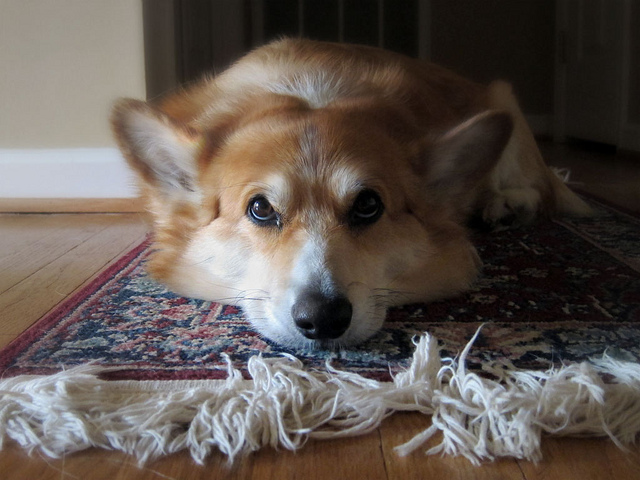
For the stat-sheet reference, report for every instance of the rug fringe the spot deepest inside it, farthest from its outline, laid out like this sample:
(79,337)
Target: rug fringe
(502,412)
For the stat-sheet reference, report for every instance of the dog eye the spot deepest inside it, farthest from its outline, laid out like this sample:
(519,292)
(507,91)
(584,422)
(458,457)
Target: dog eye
(261,212)
(366,209)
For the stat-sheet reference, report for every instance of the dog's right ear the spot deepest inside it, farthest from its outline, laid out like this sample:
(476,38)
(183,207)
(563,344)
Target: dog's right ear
(456,162)
(162,152)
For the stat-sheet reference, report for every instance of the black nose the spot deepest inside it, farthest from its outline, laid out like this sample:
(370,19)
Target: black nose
(321,317)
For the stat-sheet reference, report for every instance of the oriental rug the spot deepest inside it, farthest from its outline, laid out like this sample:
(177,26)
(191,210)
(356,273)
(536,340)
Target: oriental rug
(558,292)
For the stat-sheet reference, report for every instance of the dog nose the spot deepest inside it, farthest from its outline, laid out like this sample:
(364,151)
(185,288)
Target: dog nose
(319,317)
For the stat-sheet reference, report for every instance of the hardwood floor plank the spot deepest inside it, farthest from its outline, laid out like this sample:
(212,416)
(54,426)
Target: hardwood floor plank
(27,301)
(403,426)
(29,242)
(583,459)
(349,458)
(6,339)
(91,464)
(17,465)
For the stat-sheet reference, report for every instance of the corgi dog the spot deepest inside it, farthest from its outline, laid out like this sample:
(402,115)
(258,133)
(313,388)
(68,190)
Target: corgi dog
(314,185)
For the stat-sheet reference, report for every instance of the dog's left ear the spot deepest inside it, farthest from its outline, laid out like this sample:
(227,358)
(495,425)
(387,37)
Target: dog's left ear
(456,162)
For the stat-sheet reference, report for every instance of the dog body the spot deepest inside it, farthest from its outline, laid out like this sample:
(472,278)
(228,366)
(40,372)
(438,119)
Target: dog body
(315,185)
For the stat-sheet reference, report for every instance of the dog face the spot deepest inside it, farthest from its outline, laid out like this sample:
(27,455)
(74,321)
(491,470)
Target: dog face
(314,222)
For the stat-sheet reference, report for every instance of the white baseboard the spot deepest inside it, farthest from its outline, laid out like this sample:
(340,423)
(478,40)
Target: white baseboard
(65,173)
(630,137)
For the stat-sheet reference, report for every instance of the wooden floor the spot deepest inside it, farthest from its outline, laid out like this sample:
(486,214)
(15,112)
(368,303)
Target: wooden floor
(44,258)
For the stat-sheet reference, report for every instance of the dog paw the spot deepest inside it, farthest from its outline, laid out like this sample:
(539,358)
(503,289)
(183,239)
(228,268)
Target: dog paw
(510,209)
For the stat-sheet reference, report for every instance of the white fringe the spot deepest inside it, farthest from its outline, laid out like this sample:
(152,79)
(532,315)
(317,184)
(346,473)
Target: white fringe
(503,412)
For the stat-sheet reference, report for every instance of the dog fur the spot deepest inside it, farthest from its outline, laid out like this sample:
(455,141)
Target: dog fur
(314,185)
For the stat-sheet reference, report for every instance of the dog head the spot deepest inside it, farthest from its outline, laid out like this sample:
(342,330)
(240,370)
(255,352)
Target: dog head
(314,222)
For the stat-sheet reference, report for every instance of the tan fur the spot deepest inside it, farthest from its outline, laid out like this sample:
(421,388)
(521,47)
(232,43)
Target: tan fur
(309,127)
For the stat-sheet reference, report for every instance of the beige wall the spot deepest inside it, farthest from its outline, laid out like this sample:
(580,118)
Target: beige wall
(62,63)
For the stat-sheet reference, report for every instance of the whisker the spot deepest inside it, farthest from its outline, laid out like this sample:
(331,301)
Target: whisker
(235,299)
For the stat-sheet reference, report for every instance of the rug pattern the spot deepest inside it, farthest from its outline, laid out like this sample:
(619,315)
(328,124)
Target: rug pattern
(562,291)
